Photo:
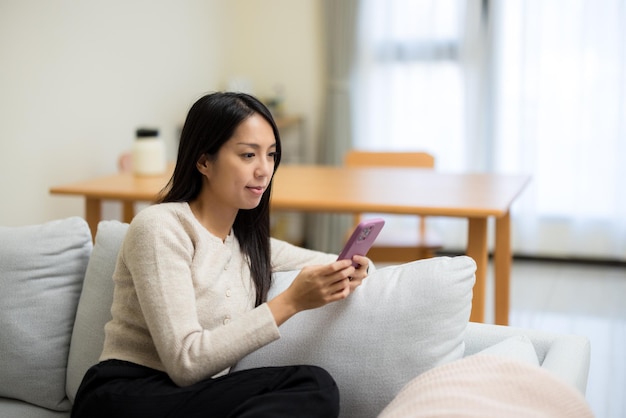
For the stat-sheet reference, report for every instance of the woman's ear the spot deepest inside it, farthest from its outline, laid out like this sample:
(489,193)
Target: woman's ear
(204,165)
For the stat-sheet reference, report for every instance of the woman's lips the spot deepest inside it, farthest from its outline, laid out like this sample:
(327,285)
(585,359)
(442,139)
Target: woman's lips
(257,190)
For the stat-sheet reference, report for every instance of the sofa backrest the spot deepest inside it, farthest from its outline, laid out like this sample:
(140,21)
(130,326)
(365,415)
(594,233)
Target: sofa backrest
(94,305)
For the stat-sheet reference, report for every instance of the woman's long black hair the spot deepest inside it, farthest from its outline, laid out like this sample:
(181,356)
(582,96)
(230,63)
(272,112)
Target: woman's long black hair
(211,122)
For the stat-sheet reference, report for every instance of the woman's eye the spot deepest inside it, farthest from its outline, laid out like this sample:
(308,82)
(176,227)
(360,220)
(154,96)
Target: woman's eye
(248,155)
(273,155)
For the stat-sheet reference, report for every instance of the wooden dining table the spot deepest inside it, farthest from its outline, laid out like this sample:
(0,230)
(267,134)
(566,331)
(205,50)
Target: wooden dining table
(331,189)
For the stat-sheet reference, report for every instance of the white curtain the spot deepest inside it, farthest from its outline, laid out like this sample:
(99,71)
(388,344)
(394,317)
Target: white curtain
(326,232)
(410,84)
(560,114)
(535,87)
(419,81)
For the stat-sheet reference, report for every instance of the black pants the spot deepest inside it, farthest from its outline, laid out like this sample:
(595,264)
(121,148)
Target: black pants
(120,389)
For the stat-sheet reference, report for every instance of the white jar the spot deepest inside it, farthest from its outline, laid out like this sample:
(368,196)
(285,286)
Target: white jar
(149,153)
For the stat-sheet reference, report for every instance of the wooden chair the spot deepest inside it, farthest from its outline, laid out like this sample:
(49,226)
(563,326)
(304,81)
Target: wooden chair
(397,246)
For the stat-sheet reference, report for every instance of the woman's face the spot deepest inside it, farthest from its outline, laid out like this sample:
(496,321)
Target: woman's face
(243,167)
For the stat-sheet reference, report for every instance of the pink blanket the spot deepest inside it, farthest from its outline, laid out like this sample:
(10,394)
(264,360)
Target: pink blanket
(487,386)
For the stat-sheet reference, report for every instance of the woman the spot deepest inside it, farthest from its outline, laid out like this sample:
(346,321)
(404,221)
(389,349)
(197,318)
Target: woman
(192,279)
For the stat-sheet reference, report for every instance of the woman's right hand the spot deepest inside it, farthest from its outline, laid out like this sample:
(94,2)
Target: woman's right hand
(313,287)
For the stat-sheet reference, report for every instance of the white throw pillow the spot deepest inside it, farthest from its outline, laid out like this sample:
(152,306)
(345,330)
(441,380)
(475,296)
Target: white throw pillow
(402,321)
(41,275)
(518,347)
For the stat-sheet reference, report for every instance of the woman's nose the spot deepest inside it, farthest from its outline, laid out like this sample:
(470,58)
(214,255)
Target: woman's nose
(265,167)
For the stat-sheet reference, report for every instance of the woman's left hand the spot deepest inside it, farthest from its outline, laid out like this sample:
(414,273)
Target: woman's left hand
(360,273)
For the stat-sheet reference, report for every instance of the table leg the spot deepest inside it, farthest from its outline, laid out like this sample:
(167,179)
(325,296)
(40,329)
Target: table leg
(93,214)
(128,211)
(502,265)
(477,249)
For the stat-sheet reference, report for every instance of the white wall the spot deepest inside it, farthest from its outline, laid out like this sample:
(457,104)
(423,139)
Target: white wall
(77,78)
(280,43)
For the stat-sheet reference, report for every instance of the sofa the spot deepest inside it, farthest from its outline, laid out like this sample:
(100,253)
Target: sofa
(405,322)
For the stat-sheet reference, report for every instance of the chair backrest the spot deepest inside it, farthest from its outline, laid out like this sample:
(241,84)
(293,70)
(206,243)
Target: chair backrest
(357,158)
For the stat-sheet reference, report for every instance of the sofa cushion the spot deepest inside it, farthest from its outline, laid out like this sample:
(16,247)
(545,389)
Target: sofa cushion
(402,321)
(94,307)
(41,275)
(12,408)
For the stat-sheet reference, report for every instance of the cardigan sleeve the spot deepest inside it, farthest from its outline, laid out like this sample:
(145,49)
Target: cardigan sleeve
(286,256)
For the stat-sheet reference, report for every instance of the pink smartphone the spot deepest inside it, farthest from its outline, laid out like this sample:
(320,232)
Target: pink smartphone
(362,239)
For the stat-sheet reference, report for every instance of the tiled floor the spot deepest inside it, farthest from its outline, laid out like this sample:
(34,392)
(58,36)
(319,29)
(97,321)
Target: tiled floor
(580,299)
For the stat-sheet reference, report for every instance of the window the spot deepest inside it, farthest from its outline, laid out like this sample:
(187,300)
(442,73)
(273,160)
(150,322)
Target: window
(530,86)
(410,62)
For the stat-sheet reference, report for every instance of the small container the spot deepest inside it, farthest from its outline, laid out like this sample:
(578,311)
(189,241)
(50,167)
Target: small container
(148,153)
